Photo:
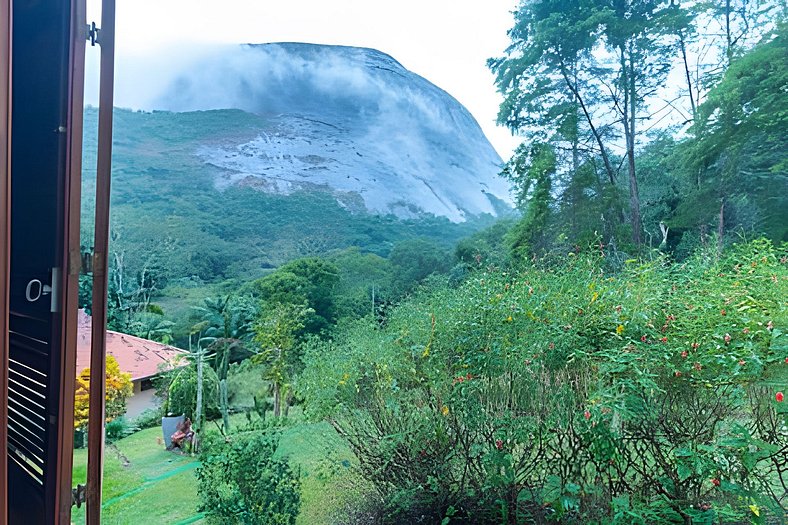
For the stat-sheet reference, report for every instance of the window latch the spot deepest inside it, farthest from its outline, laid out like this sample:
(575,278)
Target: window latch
(93,33)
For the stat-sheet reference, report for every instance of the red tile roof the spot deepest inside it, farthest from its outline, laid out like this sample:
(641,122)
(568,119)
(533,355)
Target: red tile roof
(139,357)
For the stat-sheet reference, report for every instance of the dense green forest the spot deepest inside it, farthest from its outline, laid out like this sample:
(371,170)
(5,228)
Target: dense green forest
(177,238)
(649,124)
(615,352)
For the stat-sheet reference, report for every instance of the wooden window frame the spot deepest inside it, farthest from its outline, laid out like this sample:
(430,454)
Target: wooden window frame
(5,186)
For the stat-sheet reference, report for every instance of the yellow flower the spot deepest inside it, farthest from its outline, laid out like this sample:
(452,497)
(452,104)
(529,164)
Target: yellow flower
(445,410)
(620,329)
(509,319)
(595,297)
(755,510)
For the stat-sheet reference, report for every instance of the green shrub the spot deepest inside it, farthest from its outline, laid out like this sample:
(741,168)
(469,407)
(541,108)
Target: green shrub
(182,392)
(572,394)
(149,418)
(118,428)
(240,481)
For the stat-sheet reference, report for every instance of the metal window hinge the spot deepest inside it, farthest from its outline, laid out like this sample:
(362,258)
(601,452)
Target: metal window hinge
(79,495)
(93,33)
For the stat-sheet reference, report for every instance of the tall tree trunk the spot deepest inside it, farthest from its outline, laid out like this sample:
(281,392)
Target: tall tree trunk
(683,47)
(628,114)
(288,401)
(277,399)
(224,363)
(576,130)
(198,409)
(224,404)
(703,231)
(685,61)
(611,174)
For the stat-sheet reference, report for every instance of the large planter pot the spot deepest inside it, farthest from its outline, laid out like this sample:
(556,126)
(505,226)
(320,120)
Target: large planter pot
(169,425)
(80,436)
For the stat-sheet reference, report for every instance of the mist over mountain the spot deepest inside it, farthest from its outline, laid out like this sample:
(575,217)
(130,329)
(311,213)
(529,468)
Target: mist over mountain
(349,121)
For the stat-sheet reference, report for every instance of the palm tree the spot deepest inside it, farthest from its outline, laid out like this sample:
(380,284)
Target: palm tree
(198,353)
(227,325)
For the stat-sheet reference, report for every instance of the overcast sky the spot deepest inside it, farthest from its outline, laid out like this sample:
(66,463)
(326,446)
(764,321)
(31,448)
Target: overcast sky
(445,41)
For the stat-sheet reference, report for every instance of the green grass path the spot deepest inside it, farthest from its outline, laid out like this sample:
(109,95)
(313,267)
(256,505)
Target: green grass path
(143,483)
(109,502)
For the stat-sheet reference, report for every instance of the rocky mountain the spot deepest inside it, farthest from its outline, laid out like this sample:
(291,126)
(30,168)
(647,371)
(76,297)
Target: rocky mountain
(349,121)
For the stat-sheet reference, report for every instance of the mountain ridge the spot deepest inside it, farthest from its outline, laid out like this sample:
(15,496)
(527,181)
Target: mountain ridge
(349,120)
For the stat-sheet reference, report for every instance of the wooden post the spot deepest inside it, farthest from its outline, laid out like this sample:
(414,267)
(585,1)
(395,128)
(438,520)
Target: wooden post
(100,257)
(5,201)
(73,260)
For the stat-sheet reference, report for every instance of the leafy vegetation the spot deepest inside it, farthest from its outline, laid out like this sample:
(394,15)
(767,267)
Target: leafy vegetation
(177,232)
(571,393)
(241,482)
(615,353)
(641,160)
(118,389)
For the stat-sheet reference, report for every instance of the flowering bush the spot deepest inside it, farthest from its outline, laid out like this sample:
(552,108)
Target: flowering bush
(573,394)
(118,389)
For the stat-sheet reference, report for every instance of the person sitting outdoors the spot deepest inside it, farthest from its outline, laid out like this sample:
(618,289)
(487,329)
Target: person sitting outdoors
(183,434)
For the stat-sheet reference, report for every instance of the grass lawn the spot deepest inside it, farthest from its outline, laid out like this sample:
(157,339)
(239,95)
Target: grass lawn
(143,483)
(328,482)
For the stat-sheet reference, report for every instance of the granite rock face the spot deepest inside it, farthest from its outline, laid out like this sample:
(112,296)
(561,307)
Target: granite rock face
(351,121)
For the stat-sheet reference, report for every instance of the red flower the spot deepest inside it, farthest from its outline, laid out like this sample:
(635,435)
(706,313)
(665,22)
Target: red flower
(723,312)
(695,346)
(697,367)
(587,415)
(664,339)
(551,346)
(643,338)
(715,482)
(684,354)
(671,318)
(741,362)
(499,444)
(746,331)
(727,338)
(786,360)
(779,397)
(677,373)
(469,377)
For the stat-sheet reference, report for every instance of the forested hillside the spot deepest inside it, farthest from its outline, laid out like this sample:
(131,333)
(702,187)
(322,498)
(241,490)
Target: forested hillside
(180,233)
